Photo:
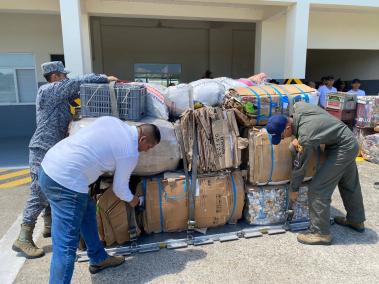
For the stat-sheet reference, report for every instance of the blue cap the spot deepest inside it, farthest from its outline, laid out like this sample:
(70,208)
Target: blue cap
(53,66)
(275,126)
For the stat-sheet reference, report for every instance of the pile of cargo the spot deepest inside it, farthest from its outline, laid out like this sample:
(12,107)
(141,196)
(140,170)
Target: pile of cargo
(362,115)
(215,163)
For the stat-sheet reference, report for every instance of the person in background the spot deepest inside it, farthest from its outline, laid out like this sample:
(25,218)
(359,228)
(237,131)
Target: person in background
(53,117)
(312,84)
(324,90)
(273,81)
(340,86)
(207,75)
(355,88)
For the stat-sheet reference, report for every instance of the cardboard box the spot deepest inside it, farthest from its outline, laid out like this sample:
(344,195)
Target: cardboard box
(341,101)
(112,219)
(217,202)
(267,100)
(272,164)
(344,115)
(217,139)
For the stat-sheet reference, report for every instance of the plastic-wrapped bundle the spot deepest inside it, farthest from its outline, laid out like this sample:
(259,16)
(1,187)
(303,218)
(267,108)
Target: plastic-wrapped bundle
(229,83)
(301,208)
(370,148)
(267,205)
(367,111)
(259,103)
(207,91)
(360,134)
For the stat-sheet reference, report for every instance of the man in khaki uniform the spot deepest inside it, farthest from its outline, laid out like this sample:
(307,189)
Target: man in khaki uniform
(313,126)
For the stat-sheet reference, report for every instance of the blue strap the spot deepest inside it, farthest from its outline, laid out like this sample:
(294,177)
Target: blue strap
(269,96)
(272,157)
(305,95)
(144,186)
(258,103)
(234,197)
(160,190)
(280,97)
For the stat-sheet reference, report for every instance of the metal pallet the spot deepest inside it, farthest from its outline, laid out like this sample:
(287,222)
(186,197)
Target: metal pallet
(246,233)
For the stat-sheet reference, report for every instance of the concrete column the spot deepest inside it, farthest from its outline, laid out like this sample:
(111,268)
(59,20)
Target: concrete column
(76,37)
(296,40)
(270,45)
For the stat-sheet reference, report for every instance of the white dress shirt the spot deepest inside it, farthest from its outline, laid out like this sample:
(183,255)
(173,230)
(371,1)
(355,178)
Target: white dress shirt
(107,145)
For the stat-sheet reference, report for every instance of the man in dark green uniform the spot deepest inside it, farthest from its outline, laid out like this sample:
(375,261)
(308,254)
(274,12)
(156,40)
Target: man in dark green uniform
(313,126)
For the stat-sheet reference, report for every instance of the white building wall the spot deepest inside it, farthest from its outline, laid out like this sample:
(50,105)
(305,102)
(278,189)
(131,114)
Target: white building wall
(341,30)
(270,46)
(32,33)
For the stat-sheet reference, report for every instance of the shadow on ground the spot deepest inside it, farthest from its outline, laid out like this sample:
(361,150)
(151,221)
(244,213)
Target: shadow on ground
(346,236)
(143,268)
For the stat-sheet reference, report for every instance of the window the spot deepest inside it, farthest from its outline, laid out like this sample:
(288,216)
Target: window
(163,74)
(57,57)
(18,83)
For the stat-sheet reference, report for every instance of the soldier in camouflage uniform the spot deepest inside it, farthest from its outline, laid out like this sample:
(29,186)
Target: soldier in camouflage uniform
(53,118)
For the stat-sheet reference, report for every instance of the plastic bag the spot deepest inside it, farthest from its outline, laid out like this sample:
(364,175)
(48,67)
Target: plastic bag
(178,98)
(208,91)
(229,83)
(155,101)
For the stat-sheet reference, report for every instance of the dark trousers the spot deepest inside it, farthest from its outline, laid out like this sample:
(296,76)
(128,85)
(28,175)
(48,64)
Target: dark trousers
(339,169)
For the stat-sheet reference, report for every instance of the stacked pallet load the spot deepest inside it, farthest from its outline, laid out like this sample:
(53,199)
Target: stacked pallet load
(269,166)
(367,127)
(193,179)
(219,188)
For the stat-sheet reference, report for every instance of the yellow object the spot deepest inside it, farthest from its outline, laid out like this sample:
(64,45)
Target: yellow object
(359,159)
(16,183)
(14,174)
(289,81)
(72,107)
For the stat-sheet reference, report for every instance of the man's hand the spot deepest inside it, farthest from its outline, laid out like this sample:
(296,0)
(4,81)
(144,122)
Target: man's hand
(293,196)
(112,78)
(135,201)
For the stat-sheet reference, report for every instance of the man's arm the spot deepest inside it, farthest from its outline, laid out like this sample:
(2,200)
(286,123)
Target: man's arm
(300,164)
(124,169)
(69,89)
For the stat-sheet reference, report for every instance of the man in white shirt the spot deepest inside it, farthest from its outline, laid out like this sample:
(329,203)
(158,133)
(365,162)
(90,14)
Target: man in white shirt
(69,167)
(324,90)
(355,85)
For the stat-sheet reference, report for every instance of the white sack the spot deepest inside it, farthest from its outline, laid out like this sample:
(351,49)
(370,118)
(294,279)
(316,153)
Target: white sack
(163,157)
(229,83)
(155,101)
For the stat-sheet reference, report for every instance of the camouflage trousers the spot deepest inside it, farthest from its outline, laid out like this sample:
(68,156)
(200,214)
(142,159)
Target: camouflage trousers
(37,202)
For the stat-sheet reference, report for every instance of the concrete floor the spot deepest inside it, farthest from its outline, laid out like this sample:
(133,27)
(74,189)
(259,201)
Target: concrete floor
(354,257)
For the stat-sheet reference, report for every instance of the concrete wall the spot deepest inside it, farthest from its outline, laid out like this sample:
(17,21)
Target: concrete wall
(227,49)
(37,34)
(338,30)
(32,33)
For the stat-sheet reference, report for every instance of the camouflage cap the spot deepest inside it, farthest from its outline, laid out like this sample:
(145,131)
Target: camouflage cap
(53,66)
